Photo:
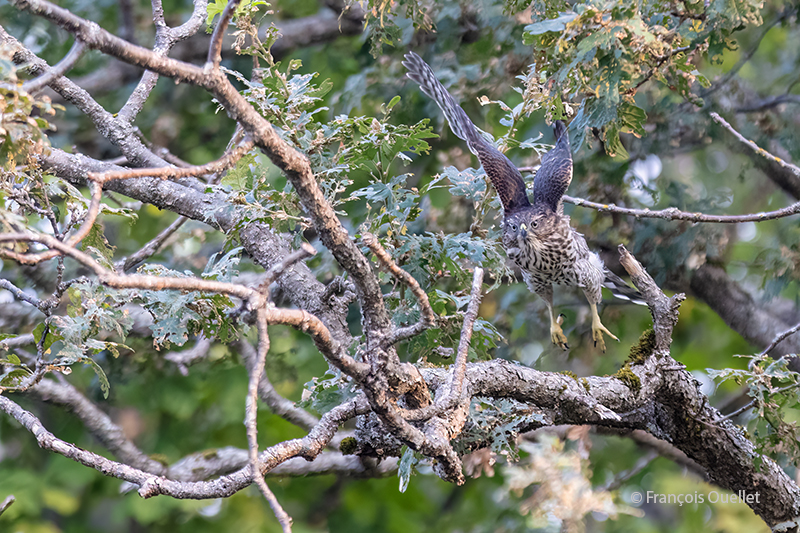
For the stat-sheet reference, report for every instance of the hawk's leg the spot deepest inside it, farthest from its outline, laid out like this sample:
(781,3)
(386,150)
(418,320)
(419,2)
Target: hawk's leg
(556,333)
(545,292)
(598,329)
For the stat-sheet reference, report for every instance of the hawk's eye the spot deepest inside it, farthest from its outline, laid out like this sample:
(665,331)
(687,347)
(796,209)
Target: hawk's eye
(535,223)
(513,226)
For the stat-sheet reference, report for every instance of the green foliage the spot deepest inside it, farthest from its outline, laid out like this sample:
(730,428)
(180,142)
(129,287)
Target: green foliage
(498,423)
(773,388)
(22,122)
(604,50)
(178,314)
(408,461)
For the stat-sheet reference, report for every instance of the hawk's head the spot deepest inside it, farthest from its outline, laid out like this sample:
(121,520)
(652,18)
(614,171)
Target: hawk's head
(526,229)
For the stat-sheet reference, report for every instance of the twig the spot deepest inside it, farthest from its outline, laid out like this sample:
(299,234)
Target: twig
(780,338)
(186,358)
(428,318)
(754,147)
(7,503)
(743,59)
(57,70)
(152,247)
(166,38)
(752,403)
(266,392)
(19,294)
(251,410)
(305,251)
(97,422)
(75,238)
(776,341)
(215,48)
(658,65)
(642,463)
(456,385)
(769,102)
(207,464)
(673,213)
(223,163)
(308,323)
(256,374)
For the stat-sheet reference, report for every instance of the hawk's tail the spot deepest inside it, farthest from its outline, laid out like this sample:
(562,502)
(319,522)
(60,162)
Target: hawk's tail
(622,290)
(460,123)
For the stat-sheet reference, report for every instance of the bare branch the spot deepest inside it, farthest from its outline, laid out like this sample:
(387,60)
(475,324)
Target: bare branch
(768,103)
(152,247)
(7,503)
(428,318)
(223,163)
(207,464)
(623,477)
(166,38)
(276,403)
(456,383)
(757,322)
(305,251)
(673,213)
(19,294)
(452,393)
(754,147)
(779,339)
(99,424)
(330,348)
(186,358)
(663,309)
(58,70)
(215,48)
(744,58)
(251,412)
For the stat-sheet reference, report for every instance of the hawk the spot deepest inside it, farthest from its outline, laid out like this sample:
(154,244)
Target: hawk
(538,237)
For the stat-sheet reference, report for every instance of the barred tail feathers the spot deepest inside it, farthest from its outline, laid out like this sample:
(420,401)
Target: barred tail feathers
(622,290)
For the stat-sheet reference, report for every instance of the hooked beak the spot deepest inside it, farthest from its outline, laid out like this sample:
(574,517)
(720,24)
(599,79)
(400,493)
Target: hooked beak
(523,230)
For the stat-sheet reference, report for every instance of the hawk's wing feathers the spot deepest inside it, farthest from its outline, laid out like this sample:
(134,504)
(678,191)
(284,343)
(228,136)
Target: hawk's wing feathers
(504,175)
(555,174)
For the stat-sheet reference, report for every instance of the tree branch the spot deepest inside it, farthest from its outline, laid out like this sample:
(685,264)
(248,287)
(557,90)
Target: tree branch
(673,213)
(58,70)
(754,147)
(428,317)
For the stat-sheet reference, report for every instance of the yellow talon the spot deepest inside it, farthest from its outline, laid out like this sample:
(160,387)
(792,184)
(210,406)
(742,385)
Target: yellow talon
(557,334)
(598,329)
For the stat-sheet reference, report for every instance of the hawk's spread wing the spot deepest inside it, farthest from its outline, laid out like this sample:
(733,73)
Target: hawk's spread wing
(504,175)
(555,174)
